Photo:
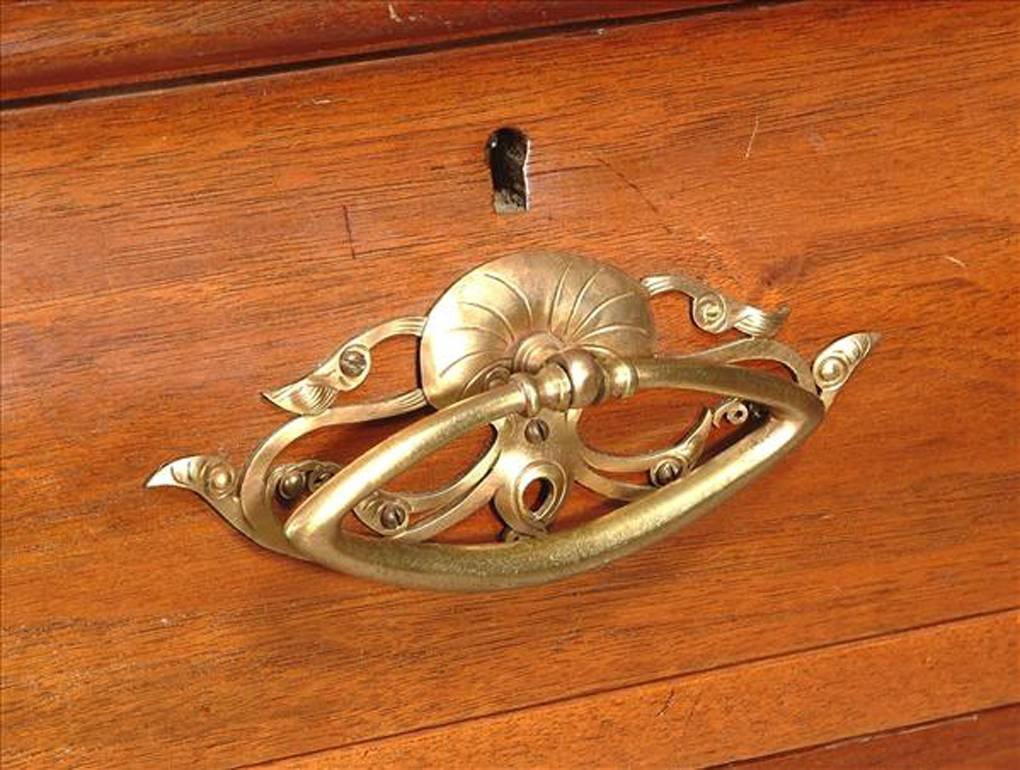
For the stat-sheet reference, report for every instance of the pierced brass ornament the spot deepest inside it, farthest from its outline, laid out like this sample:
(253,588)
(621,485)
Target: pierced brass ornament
(524,344)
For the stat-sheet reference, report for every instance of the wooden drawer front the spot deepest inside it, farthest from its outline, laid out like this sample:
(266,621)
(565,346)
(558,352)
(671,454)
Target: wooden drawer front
(168,254)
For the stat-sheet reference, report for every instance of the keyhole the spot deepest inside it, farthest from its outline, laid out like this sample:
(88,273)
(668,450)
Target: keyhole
(507,153)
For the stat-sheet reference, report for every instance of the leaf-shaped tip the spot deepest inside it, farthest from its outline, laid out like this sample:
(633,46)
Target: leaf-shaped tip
(307,396)
(183,473)
(163,477)
(209,476)
(693,444)
(834,365)
(761,323)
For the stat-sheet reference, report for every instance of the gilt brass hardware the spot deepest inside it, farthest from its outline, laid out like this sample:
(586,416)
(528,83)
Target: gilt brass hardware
(523,343)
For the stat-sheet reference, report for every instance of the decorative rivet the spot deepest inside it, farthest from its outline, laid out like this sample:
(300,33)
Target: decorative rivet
(536,431)
(391,515)
(353,362)
(666,472)
(709,312)
(220,480)
(291,485)
(831,370)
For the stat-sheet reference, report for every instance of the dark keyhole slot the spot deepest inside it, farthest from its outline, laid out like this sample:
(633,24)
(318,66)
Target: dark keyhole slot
(507,153)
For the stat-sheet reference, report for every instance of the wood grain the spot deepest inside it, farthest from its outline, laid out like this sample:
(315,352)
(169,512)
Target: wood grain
(54,48)
(165,256)
(988,740)
(729,714)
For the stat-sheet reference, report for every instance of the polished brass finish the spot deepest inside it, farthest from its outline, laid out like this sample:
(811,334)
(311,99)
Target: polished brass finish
(523,344)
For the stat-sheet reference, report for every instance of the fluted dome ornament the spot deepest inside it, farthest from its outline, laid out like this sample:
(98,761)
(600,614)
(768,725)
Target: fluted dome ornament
(528,314)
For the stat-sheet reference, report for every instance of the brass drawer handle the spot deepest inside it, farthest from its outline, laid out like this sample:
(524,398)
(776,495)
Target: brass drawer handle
(524,343)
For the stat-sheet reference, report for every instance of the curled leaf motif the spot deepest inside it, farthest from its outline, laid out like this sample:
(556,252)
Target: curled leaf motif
(759,323)
(187,474)
(207,475)
(307,396)
(662,466)
(714,312)
(834,365)
(345,369)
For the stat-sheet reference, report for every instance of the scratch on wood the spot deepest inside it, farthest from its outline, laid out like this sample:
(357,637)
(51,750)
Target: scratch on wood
(750,142)
(955,261)
(350,232)
(668,703)
(633,186)
(695,702)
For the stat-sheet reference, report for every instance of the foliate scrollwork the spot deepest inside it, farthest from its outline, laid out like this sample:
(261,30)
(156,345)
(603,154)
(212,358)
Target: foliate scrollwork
(834,365)
(662,467)
(245,499)
(524,344)
(210,476)
(216,481)
(714,312)
(345,369)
